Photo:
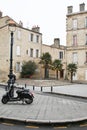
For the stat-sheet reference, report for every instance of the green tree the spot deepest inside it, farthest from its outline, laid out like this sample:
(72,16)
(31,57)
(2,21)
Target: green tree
(46,60)
(72,68)
(28,69)
(57,65)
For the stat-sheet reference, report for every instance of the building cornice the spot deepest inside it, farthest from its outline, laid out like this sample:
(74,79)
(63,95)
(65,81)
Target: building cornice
(76,48)
(76,13)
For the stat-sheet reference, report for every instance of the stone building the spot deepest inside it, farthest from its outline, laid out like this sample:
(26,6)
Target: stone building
(57,51)
(76,40)
(27,46)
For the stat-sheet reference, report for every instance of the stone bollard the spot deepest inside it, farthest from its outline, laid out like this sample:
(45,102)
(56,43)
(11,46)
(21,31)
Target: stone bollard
(41,88)
(51,89)
(33,87)
(25,85)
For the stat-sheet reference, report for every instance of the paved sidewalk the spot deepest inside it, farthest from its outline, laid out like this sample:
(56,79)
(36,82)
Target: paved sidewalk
(48,108)
(55,86)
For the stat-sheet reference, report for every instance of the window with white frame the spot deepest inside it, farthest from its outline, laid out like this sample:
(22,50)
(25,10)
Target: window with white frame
(75,57)
(27,52)
(37,53)
(19,34)
(74,40)
(86,57)
(31,52)
(29,37)
(18,67)
(74,24)
(86,22)
(32,36)
(60,55)
(86,40)
(18,51)
(37,38)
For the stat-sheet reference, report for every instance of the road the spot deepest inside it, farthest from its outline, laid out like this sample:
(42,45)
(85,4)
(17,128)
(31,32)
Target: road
(10,126)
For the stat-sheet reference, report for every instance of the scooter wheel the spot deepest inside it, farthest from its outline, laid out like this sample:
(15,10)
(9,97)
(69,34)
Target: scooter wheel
(28,101)
(4,100)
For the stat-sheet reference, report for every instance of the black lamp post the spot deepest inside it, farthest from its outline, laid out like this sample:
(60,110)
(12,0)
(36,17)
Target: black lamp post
(12,77)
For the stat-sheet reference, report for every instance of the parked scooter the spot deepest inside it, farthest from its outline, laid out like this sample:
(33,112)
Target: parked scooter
(23,94)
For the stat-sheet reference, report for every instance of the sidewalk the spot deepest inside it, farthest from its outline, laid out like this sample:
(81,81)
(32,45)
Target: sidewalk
(55,86)
(48,108)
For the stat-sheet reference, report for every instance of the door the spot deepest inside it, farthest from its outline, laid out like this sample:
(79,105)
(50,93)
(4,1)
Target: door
(75,76)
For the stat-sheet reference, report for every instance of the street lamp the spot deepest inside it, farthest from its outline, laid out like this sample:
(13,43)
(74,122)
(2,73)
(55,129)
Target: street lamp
(12,78)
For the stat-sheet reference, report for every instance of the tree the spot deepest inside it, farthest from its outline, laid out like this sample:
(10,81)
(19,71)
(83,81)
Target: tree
(57,65)
(72,68)
(28,69)
(46,60)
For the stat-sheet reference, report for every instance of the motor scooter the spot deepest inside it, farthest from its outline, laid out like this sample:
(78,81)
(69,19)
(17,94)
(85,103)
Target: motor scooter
(23,94)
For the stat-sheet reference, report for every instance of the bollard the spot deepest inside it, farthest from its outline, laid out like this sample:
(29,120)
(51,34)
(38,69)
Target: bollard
(25,85)
(41,88)
(33,87)
(51,89)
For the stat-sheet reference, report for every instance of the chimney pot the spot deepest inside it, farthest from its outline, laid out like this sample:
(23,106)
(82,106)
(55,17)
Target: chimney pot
(70,9)
(56,41)
(82,7)
(0,14)
(36,28)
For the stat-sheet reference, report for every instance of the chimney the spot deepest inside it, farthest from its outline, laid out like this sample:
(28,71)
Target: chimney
(0,14)
(82,7)
(57,42)
(20,24)
(36,29)
(70,9)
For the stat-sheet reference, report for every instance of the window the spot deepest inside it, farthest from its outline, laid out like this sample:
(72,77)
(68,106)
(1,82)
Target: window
(86,57)
(31,37)
(27,52)
(19,35)
(37,53)
(86,22)
(75,24)
(18,50)
(34,38)
(75,40)
(60,55)
(31,52)
(37,38)
(18,67)
(75,58)
(86,40)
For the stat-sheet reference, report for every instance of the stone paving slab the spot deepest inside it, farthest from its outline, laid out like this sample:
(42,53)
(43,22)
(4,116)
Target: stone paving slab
(45,108)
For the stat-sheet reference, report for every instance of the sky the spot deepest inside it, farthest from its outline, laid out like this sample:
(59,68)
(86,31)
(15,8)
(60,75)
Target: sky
(49,15)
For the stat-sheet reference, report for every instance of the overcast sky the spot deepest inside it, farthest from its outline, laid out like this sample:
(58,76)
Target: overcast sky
(49,15)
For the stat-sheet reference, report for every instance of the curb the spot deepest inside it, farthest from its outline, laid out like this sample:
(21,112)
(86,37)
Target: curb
(43,122)
(67,95)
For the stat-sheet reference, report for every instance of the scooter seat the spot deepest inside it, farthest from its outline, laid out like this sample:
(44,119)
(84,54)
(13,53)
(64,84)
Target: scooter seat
(23,90)
(19,91)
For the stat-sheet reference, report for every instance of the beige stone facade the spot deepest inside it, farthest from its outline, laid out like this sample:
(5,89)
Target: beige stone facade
(27,46)
(57,51)
(76,41)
